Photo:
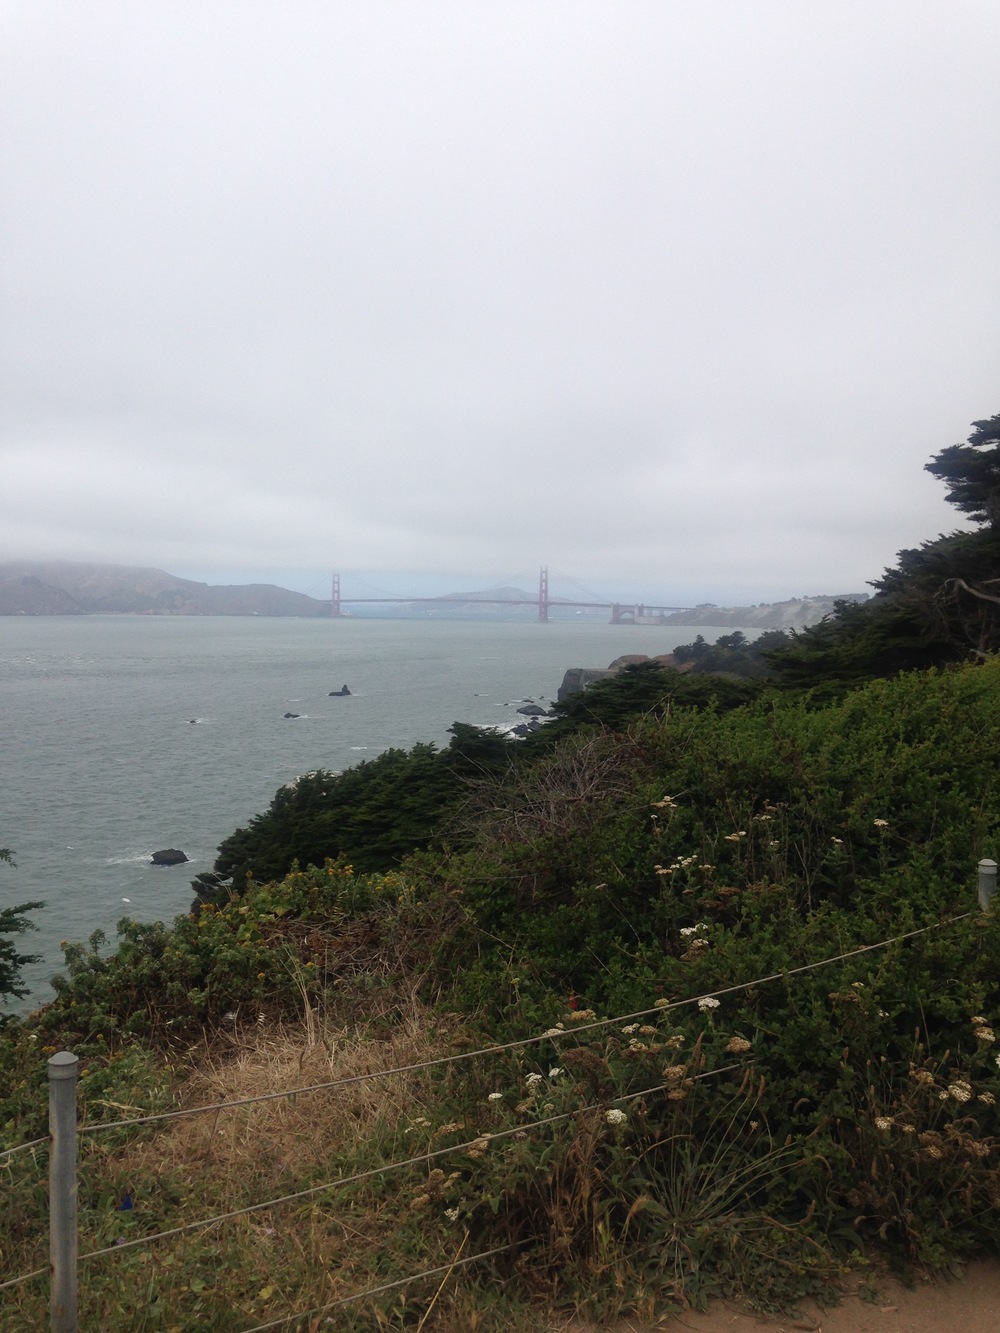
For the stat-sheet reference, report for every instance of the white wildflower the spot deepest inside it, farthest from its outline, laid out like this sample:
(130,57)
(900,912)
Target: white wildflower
(533,1080)
(555,1072)
(451,1214)
(881,823)
(960,1090)
(883,1122)
(632,1027)
(708,1002)
(615,1117)
(495,1097)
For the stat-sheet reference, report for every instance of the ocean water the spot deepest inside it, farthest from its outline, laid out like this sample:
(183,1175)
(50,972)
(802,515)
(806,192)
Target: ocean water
(120,735)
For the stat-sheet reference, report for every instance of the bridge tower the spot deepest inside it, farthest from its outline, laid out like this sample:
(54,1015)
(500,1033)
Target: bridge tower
(335,596)
(543,596)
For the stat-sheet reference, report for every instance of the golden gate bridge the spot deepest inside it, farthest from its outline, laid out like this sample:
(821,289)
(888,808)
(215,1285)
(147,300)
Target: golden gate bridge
(621,612)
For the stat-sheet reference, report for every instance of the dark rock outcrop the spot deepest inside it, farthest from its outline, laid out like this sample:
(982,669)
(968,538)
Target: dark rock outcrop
(170,856)
(578,678)
(525,728)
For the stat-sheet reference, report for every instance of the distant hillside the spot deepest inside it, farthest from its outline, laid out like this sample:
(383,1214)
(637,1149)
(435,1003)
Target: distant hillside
(64,588)
(794,614)
(484,599)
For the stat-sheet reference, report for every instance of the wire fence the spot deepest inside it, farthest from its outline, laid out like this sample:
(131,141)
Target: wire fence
(446,1269)
(23,1147)
(388,1167)
(553,1034)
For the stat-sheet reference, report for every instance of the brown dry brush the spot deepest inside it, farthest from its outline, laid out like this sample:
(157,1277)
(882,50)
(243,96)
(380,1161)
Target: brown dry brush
(291,1257)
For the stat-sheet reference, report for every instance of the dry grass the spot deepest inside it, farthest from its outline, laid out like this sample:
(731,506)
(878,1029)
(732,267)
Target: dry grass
(292,1257)
(271,1138)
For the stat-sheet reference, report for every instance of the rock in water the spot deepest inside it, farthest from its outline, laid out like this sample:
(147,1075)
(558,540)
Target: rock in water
(169,857)
(339,694)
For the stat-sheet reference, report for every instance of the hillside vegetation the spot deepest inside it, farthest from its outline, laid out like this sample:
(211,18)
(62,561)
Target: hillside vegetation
(689,992)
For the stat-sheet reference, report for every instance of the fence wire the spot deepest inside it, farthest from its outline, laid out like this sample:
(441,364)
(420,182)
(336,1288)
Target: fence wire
(386,1286)
(484,1139)
(23,1147)
(25,1277)
(550,1034)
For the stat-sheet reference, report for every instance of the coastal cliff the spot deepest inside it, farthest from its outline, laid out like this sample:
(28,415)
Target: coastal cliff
(796,613)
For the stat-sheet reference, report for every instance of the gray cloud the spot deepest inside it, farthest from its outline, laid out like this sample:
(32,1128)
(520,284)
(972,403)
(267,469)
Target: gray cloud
(676,297)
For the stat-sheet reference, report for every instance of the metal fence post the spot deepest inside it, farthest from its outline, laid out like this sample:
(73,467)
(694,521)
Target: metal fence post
(987,883)
(62,1190)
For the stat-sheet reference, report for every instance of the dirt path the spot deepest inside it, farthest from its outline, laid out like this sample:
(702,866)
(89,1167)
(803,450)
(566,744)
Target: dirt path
(970,1304)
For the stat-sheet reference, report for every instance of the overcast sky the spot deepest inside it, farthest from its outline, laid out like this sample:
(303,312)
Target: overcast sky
(674,296)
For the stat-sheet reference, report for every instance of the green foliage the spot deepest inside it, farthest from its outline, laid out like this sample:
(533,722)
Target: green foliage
(585,866)
(951,588)
(972,472)
(733,654)
(643,689)
(13,921)
(381,810)
(373,814)
(225,963)
(860,642)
